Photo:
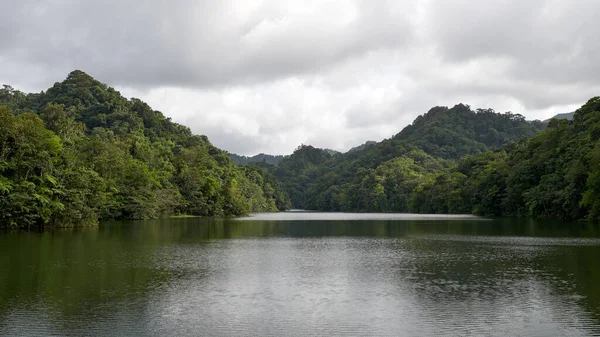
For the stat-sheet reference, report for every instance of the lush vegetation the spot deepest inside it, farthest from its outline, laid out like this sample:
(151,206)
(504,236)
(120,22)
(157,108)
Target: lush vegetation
(259,158)
(384,176)
(555,174)
(81,152)
(460,161)
(459,131)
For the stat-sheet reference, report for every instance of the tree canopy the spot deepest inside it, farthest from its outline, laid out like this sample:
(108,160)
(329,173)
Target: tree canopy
(393,175)
(80,152)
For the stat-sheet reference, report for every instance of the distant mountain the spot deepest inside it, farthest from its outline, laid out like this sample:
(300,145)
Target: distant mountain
(453,133)
(259,158)
(567,115)
(379,176)
(362,146)
(270,159)
(331,152)
(299,169)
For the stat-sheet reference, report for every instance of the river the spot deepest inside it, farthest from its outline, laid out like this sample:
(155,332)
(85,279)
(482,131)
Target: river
(304,274)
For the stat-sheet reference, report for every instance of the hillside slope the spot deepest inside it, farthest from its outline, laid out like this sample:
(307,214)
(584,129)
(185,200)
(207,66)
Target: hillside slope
(567,115)
(259,158)
(453,133)
(381,176)
(555,174)
(80,152)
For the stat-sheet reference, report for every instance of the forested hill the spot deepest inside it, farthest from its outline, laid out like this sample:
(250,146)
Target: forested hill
(262,159)
(555,174)
(381,176)
(259,158)
(362,146)
(80,152)
(566,115)
(453,133)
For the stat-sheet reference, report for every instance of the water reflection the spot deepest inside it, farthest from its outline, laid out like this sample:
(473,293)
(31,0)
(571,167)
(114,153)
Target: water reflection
(198,229)
(197,276)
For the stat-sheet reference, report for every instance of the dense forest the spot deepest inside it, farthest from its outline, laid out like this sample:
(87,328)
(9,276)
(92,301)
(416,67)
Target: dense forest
(382,176)
(555,174)
(80,152)
(460,161)
(259,158)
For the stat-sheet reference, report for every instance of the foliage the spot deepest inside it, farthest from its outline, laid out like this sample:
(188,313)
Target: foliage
(459,131)
(460,161)
(80,152)
(395,175)
(259,158)
(553,175)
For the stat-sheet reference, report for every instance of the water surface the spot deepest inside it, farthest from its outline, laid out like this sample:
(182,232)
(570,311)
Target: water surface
(310,274)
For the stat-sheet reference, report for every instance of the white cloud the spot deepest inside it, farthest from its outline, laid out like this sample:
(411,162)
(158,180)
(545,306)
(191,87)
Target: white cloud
(265,76)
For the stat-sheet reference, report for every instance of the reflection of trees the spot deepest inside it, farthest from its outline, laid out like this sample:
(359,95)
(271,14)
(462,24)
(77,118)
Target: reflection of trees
(579,263)
(484,269)
(76,274)
(504,277)
(72,275)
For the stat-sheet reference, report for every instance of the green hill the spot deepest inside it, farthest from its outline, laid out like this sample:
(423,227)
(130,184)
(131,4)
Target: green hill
(453,133)
(381,176)
(259,158)
(80,152)
(555,174)
(568,116)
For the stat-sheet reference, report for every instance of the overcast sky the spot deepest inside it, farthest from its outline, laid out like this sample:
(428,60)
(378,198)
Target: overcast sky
(266,76)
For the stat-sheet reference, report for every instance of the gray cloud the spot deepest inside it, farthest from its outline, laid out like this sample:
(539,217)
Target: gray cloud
(265,76)
(196,43)
(546,40)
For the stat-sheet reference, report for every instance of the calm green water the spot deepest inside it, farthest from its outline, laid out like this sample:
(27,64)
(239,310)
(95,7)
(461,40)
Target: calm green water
(293,274)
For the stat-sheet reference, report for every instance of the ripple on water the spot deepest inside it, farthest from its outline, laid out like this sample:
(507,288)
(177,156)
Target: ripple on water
(421,285)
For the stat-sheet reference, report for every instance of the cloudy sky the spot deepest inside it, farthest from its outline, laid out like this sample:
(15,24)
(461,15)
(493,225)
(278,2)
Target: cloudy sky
(266,76)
